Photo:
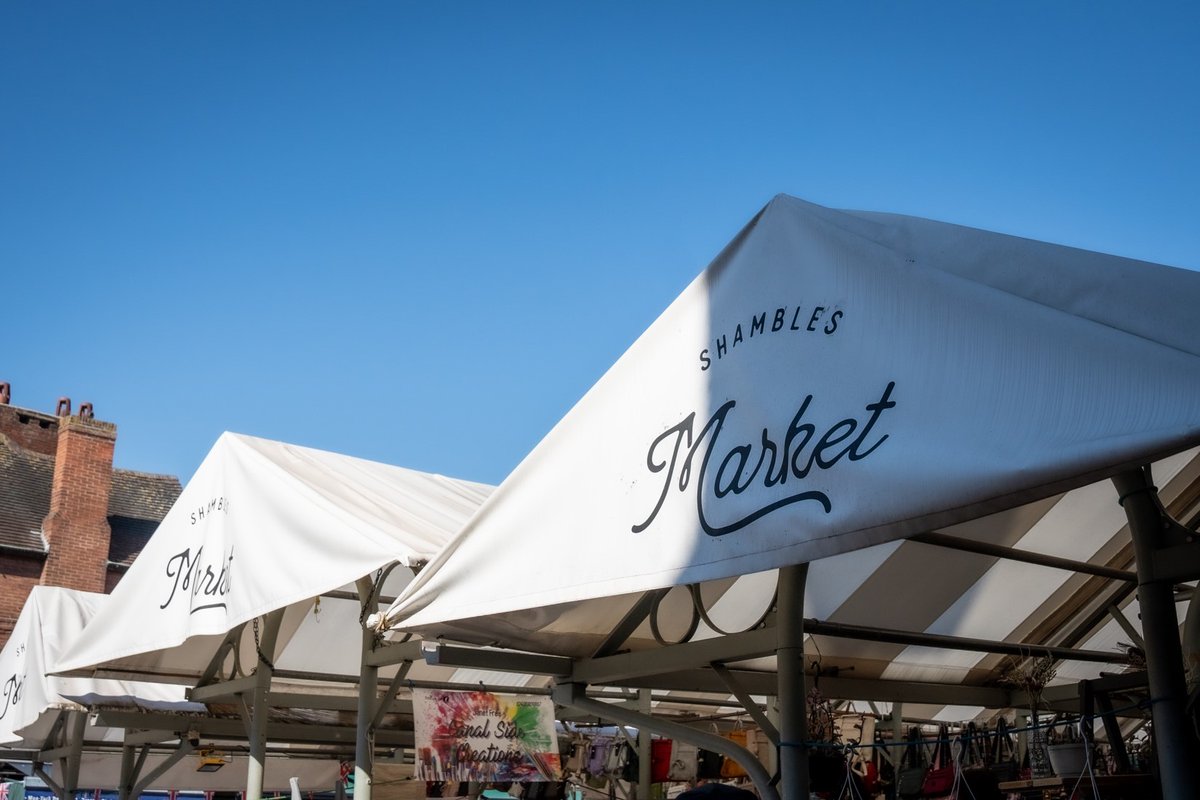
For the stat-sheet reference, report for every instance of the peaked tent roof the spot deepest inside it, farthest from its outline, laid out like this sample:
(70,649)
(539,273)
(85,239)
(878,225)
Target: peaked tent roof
(51,618)
(32,701)
(833,381)
(263,526)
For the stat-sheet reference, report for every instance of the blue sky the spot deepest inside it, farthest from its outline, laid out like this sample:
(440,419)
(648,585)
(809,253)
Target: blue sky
(417,233)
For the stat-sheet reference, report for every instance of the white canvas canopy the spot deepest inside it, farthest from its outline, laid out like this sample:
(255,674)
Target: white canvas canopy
(833,381)
(34,702)
(250,592)
(924,414)
(264,526)
(51,618)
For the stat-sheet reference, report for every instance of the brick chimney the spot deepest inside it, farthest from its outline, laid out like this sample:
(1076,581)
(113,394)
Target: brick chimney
(76,529)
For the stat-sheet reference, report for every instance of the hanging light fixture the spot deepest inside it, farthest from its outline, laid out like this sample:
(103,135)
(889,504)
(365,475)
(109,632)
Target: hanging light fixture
(210,761)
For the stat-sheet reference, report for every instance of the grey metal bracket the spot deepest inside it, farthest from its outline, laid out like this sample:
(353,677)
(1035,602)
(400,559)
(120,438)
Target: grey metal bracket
(214,664)
(388,699)
(46,779)
(574,695)
(629,623)
(185,748)
(1119,617)
(743,697)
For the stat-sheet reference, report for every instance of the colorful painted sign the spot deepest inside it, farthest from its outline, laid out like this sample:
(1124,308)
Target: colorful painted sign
(480,736)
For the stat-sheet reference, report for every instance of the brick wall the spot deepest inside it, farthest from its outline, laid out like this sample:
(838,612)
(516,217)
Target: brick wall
(76,528)
(30,430)
(112,578)
(18,575)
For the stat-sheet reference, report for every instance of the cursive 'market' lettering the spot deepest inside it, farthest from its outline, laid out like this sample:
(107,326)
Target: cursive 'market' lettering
(766,462)
(190,575)
(12,693)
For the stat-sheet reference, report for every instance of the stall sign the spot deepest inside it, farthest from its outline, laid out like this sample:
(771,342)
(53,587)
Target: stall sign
(481,736)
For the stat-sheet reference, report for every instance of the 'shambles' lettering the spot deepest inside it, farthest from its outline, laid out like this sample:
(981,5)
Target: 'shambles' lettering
(785,319)
(191,576)
(207,510)
(767,465)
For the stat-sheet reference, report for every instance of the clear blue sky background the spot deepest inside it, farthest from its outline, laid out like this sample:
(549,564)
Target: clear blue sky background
(417,233)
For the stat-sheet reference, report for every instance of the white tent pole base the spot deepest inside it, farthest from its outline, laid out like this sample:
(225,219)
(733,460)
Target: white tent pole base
(258,716)
(364,743)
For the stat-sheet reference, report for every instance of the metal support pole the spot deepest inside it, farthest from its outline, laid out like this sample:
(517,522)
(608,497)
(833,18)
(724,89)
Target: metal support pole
(896,751)
(127,777)
(364,743)
(1112,729)
(1191,644)
(772,712)
(74,744)
(1174,739)
(256,767)
(1023,720)
(644,748)
(793,715)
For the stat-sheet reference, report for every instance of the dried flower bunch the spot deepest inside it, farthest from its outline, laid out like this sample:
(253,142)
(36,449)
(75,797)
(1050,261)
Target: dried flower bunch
(1032,675)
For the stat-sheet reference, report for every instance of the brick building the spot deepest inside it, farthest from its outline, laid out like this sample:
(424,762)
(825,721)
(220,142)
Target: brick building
(67,517)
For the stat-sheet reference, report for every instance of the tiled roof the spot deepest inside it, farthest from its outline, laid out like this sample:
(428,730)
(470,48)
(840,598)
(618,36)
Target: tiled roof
(25,479)
(139,500)
(142,495)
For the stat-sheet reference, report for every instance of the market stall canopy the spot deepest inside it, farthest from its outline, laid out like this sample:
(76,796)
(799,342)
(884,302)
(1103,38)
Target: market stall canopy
(264,526)
(34,701)
(51,618)
(834,381)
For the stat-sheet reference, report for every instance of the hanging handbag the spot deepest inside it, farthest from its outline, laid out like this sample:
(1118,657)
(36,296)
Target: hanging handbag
(685,763)
(660,760)
(576,755)
(974,765)
(616,757)
(597,759)
(1003,763)
(868,773)
(708,765)
(939,780)
(630,763)
(730,768)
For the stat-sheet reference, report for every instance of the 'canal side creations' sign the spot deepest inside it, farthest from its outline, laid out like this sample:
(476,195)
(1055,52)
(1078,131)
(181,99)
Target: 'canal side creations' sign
(480,736)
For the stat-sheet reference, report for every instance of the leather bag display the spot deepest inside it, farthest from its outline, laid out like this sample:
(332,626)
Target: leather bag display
(939,780)
(685,762)
(660,760)
(708,765)
(597,759)
(1003,762)
(730,768)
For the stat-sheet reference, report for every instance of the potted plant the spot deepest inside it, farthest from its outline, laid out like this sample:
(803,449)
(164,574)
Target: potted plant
(1067,751)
